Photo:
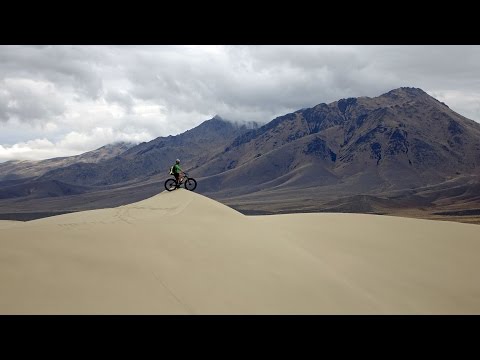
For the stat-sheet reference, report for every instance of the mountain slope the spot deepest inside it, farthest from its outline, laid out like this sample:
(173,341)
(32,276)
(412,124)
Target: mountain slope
(15,170)
(41,189)
(194,147)
(402,139)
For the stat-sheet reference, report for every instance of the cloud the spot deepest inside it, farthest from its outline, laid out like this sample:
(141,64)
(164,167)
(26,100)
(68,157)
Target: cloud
(29,100)
(30,150)
(76,68)
(121,98)
(50,92)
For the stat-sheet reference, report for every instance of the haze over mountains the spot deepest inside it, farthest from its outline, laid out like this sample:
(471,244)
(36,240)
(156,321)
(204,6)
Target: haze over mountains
(401,153)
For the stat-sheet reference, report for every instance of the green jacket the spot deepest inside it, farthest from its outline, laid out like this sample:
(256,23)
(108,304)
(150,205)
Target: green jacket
(177,169)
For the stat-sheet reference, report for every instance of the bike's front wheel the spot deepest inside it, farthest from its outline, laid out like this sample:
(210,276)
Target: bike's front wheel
(170,184)
(190,184)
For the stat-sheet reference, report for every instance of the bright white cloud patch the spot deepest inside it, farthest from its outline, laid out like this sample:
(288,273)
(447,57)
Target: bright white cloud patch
(78,98)
(29,150)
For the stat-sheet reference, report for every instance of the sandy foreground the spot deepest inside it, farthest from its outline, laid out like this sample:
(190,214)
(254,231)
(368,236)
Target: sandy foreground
(4,224)
(183,253)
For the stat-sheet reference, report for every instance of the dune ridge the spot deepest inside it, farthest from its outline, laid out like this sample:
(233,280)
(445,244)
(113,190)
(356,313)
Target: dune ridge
(183,253)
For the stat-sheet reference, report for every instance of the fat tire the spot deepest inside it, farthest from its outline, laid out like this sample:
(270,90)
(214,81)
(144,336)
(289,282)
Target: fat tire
(190,184)
(170,184)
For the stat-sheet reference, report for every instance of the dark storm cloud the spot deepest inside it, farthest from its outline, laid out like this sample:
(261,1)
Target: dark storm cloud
(74,67)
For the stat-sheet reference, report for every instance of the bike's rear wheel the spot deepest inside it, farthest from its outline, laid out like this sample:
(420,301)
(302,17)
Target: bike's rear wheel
(170,184)
(190,184)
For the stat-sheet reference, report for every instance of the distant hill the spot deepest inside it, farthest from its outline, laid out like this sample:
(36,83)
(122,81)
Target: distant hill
(40,189)
(14,170)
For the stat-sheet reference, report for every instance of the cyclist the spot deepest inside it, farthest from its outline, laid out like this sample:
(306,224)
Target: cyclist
(177,170)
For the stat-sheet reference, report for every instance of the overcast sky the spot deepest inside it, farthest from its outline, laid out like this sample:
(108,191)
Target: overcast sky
(66,100)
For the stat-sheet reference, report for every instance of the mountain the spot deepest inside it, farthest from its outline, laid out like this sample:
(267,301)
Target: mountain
(40,189)
(402,139)
(404,149)
(132,175)
(194,147)
(401,152)
(14,170)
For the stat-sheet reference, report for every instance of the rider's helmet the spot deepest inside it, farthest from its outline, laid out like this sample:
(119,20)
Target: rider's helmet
(177,161)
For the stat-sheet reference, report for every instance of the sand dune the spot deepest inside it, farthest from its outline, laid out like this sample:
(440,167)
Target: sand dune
(183,253)
(4,224)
